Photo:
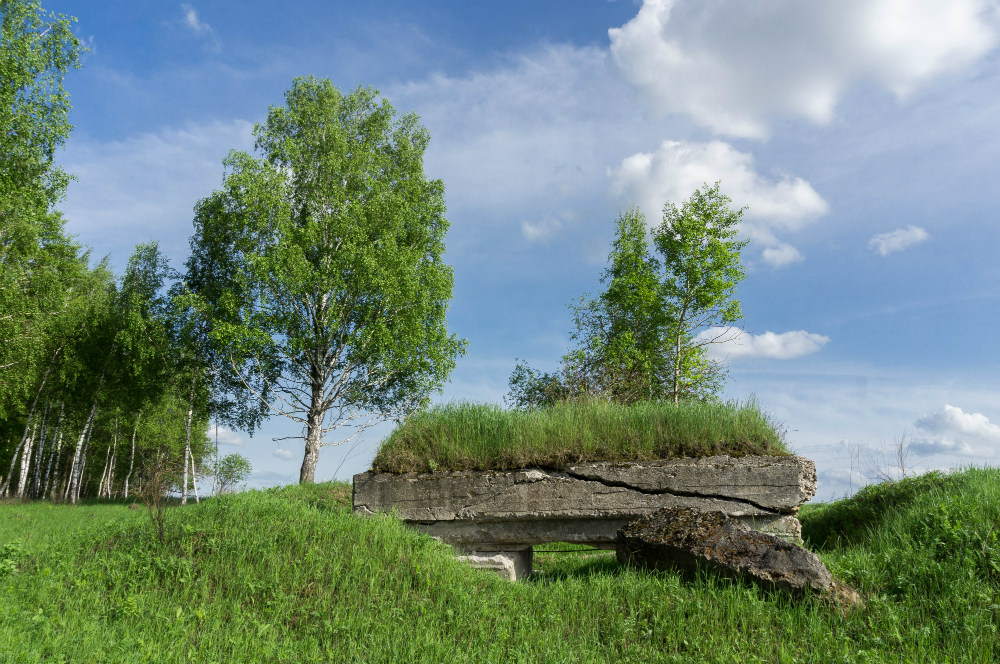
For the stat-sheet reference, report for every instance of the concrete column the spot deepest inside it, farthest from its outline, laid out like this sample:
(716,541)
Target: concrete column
(511,565)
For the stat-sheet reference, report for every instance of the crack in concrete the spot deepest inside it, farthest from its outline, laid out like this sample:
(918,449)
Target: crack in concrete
(661,492)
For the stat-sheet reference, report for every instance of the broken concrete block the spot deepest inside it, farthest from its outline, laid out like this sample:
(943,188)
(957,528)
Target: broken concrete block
(686,540)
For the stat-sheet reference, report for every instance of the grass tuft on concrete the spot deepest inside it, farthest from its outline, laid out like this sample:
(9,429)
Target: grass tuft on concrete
(465,436)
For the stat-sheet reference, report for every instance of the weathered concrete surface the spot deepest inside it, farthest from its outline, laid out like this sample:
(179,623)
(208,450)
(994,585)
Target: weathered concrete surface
(687,540)
(587,503)
(511,565)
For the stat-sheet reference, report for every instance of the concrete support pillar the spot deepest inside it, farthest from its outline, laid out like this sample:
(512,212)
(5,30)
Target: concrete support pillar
(511,565)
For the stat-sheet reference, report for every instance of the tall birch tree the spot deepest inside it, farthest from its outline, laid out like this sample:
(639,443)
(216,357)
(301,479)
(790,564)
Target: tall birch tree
(330,244)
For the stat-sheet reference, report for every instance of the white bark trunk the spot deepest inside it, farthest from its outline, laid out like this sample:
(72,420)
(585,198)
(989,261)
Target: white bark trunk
(53,455)
(17,452)
(187,435)
(22,480)
(131,461)
(104,473)
(194,480)
(76,468)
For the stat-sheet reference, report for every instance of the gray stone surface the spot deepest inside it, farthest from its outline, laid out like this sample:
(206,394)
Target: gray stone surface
(688,539)
(587,503)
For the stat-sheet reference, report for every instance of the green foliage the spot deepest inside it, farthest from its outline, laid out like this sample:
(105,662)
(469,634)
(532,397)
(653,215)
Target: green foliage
(701,262)
(485,437)
(10,555)
(38,263)
(329,247)
(640,338)
(290,575)
(230,470)
(530,389)
(621,354)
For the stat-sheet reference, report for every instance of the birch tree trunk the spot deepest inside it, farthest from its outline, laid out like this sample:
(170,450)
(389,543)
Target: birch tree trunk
(76,468)
(13,459)
(187,435)
(131,461)
(26,463)
(39,456)
(55,448)
(104,473)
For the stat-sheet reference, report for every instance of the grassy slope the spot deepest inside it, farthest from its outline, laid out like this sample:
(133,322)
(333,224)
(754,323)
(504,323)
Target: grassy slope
(290,576)
(484,437)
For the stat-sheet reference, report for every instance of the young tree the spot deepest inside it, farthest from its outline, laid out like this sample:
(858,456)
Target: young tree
(639,339)
(620,333)
(330,250)
(230,470)
(701,263)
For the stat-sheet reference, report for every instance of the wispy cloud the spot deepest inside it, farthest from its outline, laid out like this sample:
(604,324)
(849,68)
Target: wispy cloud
(732,344)
(145,185)
(193,22)
(732,65)
(282,453)
(897,240)
(677,168)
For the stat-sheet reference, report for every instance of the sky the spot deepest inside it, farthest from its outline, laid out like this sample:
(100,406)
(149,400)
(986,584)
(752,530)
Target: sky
(861,136)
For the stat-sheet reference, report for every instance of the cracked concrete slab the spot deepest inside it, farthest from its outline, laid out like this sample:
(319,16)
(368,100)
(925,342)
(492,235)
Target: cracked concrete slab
(587,503)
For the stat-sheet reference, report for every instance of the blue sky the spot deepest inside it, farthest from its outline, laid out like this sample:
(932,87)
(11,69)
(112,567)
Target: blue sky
(862,136)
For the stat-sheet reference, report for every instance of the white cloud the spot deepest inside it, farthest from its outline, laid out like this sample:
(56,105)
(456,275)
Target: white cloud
(283,454)
(225,436)
(782,255)
(953,431)
(678,168)
(897,240)
(732,64)
(193,22)
(730,343)
(953,420)
(145,186)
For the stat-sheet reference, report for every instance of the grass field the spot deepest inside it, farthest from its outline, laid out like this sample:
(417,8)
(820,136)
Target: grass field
(466,436)
(289,575)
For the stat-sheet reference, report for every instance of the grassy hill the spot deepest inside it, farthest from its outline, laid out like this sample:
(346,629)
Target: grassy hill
(289,575)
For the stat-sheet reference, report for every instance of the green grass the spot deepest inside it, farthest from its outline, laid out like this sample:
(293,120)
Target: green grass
(467,436)
(289,575)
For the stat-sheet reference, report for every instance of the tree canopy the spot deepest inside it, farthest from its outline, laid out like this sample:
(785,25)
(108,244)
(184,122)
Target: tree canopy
(328,293)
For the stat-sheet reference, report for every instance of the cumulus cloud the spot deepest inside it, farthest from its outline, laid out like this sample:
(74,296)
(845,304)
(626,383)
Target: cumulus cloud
(732,344)
(897,240)
(953,420)
(283,454)
(677,168)
(953,431)
(732,64)
(225,436)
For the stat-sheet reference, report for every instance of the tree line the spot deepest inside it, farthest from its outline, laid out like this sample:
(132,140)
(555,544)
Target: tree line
(315,290)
